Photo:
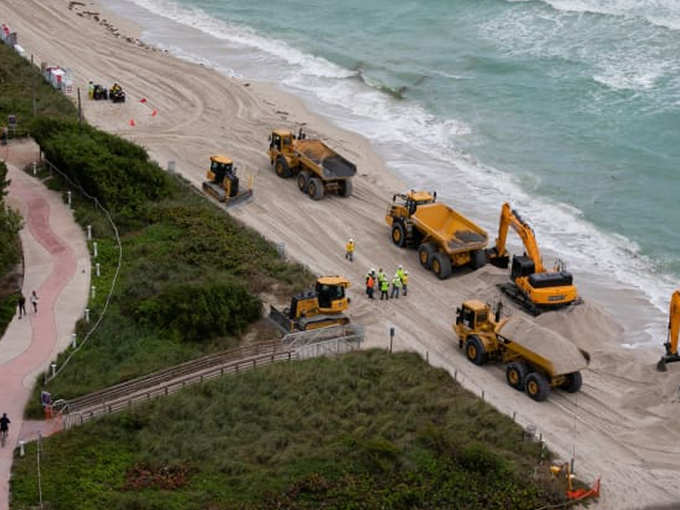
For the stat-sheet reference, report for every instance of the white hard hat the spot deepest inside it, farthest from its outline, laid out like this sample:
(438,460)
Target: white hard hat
(405,272)
(351,239)
(400,266)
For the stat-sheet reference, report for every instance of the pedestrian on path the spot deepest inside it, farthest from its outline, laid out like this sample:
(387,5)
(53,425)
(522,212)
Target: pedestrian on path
(384,287)
(349,250)
(396,286)
(404,282)
(4,427)
(22,304)
(34,301)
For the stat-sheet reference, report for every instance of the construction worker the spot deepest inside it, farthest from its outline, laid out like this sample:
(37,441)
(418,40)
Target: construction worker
(349,250)
(381,276)
(396,286)
(384,287)
(370,283)
(404,282)
(400,271)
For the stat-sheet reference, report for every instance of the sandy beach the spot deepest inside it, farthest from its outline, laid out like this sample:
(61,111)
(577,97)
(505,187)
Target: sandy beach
(623,425)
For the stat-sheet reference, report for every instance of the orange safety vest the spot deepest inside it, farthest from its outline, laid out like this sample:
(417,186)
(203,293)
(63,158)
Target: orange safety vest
(370,282)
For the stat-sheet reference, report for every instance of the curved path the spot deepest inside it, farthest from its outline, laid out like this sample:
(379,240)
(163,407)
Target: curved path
(57,267)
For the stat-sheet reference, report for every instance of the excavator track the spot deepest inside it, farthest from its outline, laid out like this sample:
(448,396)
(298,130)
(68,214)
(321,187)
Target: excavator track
(512,291)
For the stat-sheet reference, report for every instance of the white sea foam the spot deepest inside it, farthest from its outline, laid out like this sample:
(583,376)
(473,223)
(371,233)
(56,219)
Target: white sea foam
(663,13)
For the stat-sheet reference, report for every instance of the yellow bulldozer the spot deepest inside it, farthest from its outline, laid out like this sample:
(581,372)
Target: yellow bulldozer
(314,309)
(534,287)
(223,183)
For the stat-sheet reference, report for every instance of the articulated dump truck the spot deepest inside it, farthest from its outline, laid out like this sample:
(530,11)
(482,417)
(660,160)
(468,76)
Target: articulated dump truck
(317,168)
(537,359)
(444,238)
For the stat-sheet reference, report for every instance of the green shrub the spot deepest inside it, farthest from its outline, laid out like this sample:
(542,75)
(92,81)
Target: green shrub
(199,312)
(117,172)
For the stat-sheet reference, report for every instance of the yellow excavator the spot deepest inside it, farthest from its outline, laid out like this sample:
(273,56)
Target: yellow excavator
(671,344)
(533,287)
(314,309)
(223,184)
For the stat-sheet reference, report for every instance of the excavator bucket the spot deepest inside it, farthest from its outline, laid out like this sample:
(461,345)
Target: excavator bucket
(668,358)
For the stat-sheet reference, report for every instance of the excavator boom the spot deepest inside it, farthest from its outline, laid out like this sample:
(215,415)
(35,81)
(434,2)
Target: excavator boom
(671,344)
(510,218)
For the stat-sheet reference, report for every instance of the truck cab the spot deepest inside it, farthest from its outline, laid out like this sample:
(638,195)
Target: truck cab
(331,294)
(405,204)
(280,139)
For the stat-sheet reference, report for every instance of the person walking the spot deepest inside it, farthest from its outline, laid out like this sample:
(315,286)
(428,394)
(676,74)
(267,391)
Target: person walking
(396,286)
(4,427)
(21,304)
(404,282)
(384,287)
(34,301)
(349,250)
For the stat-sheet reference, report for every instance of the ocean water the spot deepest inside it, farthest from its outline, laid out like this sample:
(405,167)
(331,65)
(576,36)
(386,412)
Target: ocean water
(569,109)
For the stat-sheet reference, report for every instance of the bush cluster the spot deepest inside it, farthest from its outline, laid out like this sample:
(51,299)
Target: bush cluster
(198,312)
(117,172)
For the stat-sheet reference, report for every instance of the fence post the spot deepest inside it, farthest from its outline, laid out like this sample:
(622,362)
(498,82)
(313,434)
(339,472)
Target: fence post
(94,249)
(93,292)
(74,342)
(97,269)
(87,315)
(89,232)
(391,337)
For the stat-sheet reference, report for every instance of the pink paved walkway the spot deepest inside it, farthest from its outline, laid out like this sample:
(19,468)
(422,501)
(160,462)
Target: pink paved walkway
(30,345)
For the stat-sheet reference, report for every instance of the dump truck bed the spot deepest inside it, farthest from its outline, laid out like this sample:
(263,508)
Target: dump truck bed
(333,164)
(543,346)
(453,230)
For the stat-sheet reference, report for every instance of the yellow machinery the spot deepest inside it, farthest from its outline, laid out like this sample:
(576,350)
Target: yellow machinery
(671,344)
(317,167)
(537,359)
(314,309)
(223,184)
(444,238)
(534,288)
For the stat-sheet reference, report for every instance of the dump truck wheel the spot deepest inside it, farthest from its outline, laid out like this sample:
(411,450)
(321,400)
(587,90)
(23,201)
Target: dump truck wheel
(477,259)
(281,168)
(572,382)
(398,235)
(441,265)
(538,387)
(516,373)
(315,188)
(425,252)
(474,350)
(346,188)
(303,180)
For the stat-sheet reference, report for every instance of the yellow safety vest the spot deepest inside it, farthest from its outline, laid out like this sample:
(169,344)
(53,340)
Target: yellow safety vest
(350,247)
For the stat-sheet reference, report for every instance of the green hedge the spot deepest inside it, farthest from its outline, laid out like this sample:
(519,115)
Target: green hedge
(199,312)
(119,173)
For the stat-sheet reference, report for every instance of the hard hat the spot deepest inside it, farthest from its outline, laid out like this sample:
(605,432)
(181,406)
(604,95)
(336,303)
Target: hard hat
(405,272)
(400,266)
(351,240)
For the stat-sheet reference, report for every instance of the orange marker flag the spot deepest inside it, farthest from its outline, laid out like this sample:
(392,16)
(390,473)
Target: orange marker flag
(143,100)
(154,113)
(132,122)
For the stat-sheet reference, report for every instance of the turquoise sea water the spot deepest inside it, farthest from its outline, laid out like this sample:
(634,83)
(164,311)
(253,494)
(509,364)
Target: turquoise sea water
(570,109)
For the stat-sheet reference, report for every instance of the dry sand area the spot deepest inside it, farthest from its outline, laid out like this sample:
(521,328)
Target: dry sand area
(623,425)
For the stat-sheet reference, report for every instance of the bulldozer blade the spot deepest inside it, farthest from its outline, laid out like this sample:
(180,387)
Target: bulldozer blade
(279,319)
(240,198)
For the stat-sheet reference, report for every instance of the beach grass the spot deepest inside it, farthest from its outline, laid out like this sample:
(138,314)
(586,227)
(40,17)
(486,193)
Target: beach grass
(366,430)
